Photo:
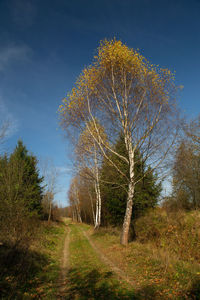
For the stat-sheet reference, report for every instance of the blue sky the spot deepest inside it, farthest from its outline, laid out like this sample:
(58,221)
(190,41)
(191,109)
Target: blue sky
(44,45)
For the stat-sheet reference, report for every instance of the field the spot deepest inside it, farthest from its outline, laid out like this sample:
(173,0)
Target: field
(72,261)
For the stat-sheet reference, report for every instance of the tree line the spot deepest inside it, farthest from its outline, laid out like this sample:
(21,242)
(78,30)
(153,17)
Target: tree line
(186,169)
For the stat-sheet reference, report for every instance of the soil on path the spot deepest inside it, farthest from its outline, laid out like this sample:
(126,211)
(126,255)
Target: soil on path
(63,280)
(109,263)
(65,284)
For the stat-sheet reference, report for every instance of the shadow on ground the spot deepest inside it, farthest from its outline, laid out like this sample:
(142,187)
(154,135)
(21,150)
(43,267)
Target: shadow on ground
(194,291)
(93,285)
(18,271)
(96,285)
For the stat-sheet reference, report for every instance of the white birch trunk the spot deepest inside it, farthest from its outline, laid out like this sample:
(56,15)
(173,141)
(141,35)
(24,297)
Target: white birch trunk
(131,188)
(97,206)
(79,219)
(92,206)
(99,196)
(50,209)
(73,214)
(98,213)
(97,190)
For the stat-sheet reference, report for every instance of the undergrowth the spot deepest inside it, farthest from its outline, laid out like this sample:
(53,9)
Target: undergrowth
(178,232)
(164,257)
(33,272)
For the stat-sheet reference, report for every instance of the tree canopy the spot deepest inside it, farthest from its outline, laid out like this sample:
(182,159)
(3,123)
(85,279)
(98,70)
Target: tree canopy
(125,93)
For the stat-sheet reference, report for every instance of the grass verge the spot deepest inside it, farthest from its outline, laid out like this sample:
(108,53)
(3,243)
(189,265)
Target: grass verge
(156,274)
(33,273)
(88,277)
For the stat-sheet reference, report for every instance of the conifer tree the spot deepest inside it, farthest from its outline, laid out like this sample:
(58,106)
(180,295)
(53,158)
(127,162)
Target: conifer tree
(20,180)
(114,187)
(20,198)
(31,188)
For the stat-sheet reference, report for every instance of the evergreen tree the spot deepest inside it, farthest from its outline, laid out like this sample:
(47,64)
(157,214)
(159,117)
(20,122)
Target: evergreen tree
(20,197)
(20,180)
(31,189)
(114,187)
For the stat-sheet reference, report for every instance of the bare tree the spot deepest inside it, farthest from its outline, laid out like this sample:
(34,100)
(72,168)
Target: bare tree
(74,200)
(4,130)
(192,131)
(50,174)
(186,168)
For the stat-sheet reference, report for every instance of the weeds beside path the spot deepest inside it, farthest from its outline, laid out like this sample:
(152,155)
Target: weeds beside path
(33,274)
(121,274)
(155,274)
(88,276)
(92,275)
(72,262)
(63,280)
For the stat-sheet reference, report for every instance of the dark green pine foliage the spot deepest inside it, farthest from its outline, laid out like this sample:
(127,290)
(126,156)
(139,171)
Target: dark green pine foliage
(28,182)
(114,187)
(3,168)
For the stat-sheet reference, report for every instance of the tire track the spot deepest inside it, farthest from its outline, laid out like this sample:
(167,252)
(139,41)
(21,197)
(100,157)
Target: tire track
(65,265)
(121,274)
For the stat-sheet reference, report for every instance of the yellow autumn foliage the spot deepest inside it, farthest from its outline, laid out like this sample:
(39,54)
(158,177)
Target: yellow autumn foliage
(115,67)
(86,141)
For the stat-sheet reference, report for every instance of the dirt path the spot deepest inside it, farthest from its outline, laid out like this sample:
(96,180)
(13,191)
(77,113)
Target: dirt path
(64,265)
(121,274)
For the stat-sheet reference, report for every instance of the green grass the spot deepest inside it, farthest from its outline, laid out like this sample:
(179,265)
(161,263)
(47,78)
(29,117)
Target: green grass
(89,278)
(155,273)
(34,273)
(167,276)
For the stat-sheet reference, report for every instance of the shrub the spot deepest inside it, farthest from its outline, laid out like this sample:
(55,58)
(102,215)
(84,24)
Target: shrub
(179,232)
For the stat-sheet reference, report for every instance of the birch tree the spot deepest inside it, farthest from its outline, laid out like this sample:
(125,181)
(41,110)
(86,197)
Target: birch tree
(50,174)
(186,168)
(89,157)
(4,132)
(87,195)
(192,131)
(74,200)
(126,94)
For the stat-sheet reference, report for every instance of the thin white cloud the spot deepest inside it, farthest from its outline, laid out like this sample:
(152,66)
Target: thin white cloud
(12,53)
(63,169)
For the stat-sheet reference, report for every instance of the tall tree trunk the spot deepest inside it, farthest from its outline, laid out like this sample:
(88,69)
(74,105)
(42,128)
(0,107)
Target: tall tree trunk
(128,214)
(92,206)
(98,192)
(50,209)
(97,207)
(79,219)
(131,189)
(73,213)
(99,201)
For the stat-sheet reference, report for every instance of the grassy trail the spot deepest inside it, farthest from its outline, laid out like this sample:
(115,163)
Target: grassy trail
(88,276)
(101,268)
(72,261)
(155,274)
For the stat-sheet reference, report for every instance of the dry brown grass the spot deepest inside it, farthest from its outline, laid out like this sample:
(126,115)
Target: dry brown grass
(164,258)
(177,233)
